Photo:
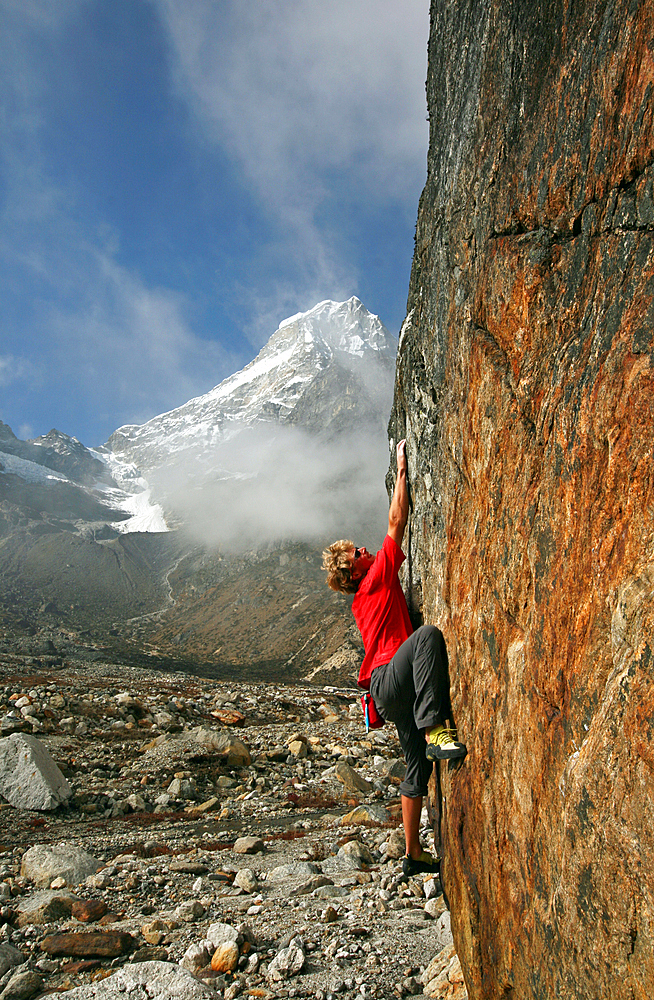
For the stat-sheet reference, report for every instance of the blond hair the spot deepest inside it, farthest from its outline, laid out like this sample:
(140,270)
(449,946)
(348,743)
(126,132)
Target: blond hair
(337,560)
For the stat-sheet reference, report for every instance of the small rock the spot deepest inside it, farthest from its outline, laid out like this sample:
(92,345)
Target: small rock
(225,957)
(329,915)
(248,845)
(89,910)
(288,962)
(355,849)
(155,931)
(351,779)
(232,750)
(196,957)
(246,880)
(396,844)
(365,814)
(189,911)
(219,933)
(45,907)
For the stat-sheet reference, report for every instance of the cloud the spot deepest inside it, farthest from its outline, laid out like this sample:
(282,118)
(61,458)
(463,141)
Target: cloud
(273,482)
(304,94)
(93,327)
(14,369)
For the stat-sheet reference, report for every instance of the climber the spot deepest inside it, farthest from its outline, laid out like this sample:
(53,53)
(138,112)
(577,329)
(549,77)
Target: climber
(404,671)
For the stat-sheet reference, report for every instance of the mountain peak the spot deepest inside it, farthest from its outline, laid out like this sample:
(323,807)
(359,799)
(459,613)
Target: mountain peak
(282,382)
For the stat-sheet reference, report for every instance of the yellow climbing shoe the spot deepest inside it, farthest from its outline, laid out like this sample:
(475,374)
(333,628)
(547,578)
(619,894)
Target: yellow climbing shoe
(442,744)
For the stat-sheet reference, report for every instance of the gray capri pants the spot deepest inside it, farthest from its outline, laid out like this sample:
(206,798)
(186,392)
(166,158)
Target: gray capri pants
(413,692)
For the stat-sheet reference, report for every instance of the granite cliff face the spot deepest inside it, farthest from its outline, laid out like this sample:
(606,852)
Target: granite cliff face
(525,388)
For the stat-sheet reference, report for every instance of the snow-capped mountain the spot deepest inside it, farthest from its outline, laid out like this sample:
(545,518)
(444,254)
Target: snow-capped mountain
(265,448)
(300,377)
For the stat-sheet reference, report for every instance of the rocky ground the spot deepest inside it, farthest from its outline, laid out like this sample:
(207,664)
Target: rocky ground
(213,839)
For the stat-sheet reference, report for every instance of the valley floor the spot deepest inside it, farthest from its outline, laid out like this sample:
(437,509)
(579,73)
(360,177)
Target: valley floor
(292,840)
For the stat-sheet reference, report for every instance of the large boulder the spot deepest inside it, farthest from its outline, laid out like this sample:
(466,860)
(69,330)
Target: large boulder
(146,981)
(45,862)
(29,778)
(223,744)
(525,389)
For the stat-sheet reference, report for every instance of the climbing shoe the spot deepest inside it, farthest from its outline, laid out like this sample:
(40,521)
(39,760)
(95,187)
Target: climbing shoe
(424,864)
(442,745)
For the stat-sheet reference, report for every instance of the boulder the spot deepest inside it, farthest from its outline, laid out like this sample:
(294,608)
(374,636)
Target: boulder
(43,863)
(9,957)
(287,962)
(249,845)
(351,779)
(89,944)
(45,907)
(373,813)
(146,981)
(29,778)
(525,390)
(221,742)
(23,986)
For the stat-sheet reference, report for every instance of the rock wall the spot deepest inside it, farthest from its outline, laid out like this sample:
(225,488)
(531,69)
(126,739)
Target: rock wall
(525,388)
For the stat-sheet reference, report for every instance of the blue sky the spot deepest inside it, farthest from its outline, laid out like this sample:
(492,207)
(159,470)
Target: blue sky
(178,176)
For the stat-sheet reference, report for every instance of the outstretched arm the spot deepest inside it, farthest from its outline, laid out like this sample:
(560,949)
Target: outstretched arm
(399,510)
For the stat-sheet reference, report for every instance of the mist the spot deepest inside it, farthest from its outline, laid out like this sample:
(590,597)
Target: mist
(274,483)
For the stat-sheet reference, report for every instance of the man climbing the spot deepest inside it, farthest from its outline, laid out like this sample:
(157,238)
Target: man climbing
(404,671)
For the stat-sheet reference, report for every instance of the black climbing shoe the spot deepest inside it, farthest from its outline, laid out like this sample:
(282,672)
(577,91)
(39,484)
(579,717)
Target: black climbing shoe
(424,865)
(442,745)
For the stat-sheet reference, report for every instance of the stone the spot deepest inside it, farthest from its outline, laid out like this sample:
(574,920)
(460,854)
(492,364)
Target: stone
(43,863)
(434,906)
(355,849)
(9,957)
(248,845)
(196,957)
(45,907)
(287,962)
(372,813)
(396,844)
(443,932)
(146,981)
(525,390)
(89,944)
(189,911)
(22,986)
(154,931)
(219,933)
(233,751)
(296,869)
(29,778)
(225,957)
(246,880)
(439,962)
(351,779)
(89,910)
(315,882)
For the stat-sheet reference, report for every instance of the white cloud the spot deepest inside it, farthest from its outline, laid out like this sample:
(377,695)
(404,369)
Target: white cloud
(303,92)
(13,369)
(133,345)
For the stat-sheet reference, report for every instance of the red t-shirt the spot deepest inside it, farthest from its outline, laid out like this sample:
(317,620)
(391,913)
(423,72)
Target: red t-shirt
(380,610)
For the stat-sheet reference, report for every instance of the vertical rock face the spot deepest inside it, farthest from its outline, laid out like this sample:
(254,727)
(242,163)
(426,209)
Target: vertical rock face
(525,387)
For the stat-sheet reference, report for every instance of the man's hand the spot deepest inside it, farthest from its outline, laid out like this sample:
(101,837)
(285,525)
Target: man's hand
(399,510)
(400,452)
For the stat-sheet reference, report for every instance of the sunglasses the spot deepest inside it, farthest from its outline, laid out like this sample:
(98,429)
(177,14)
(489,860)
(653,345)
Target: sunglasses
(357,553)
